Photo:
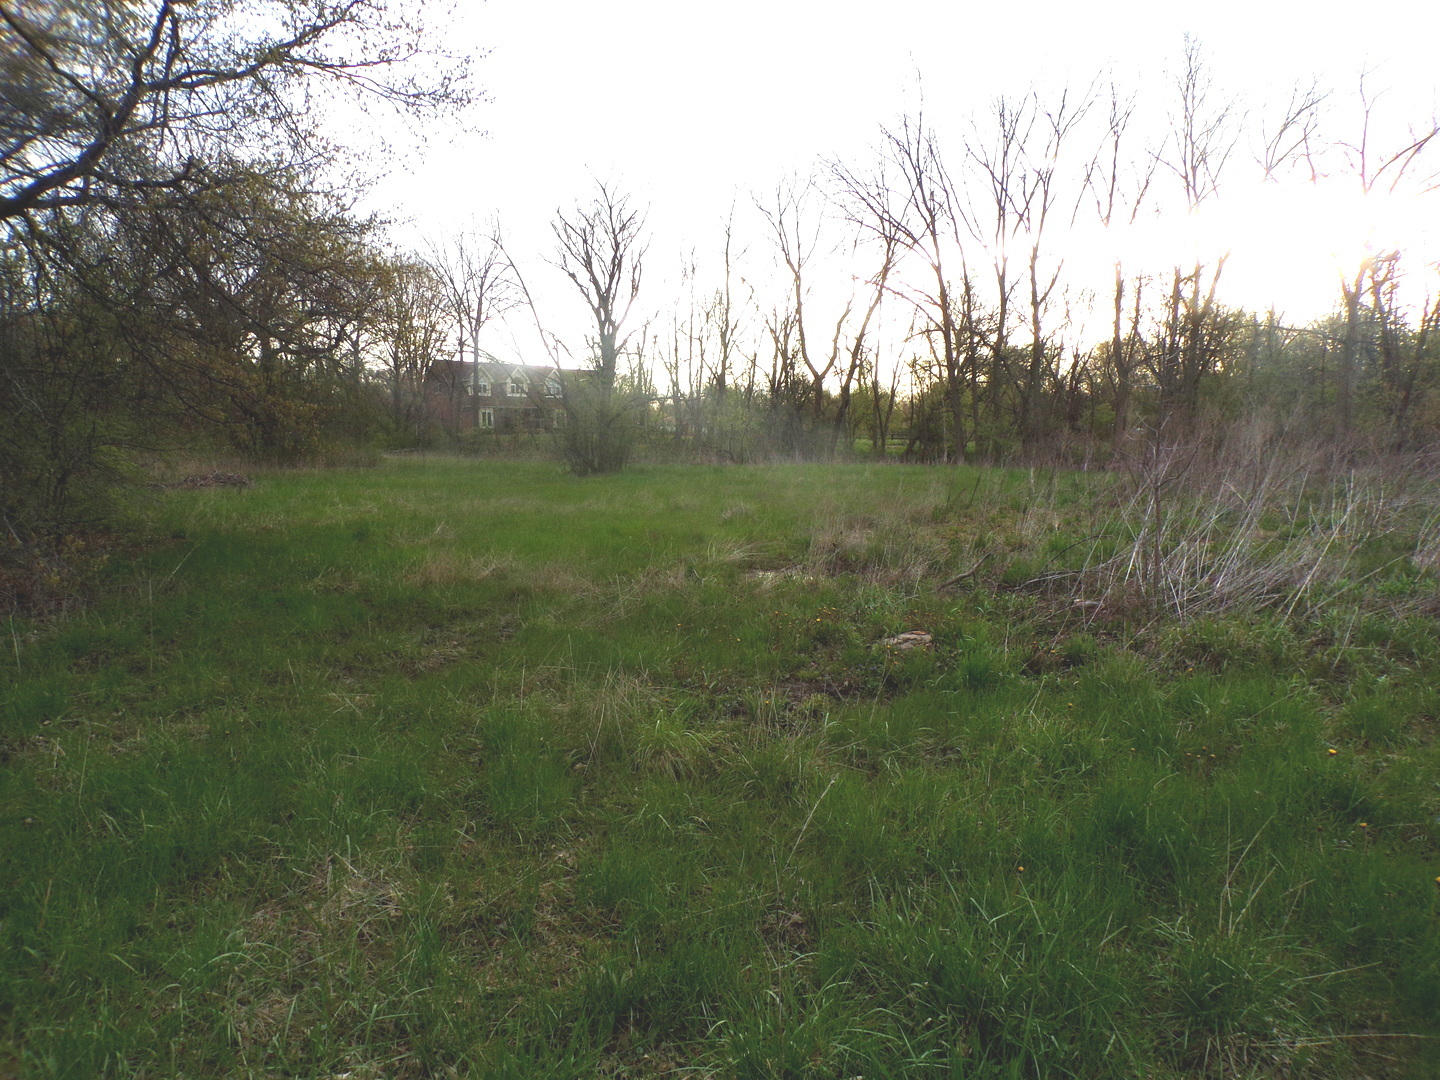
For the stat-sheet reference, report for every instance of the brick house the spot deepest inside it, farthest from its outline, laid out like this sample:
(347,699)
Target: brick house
(491,395)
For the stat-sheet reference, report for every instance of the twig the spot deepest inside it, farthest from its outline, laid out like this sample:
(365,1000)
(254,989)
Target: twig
(179,565)
(965,574)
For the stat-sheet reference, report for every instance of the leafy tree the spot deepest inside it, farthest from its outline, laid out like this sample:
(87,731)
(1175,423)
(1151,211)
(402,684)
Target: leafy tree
(414,323)
(170,254)
(111,100)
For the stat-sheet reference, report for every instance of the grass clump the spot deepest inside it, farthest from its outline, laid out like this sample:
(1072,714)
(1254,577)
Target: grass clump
(455,768)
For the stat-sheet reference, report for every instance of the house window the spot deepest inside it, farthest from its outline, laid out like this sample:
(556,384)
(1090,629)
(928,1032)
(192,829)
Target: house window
(487,418)
(482,389)
(552,388)
(518,387)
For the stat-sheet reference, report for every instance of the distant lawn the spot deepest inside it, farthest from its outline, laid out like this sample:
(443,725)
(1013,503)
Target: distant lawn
(454,768)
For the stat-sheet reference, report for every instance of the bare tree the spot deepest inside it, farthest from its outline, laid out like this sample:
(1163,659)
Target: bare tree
(1040,198)
(1376,272)
(883,397)
(722,316)
(1204,131)
(860,348)
(1120,182)
(919,211)
(996,222)
(796,227)
(601,248)
(477,280)
(1292,134)
(684,358)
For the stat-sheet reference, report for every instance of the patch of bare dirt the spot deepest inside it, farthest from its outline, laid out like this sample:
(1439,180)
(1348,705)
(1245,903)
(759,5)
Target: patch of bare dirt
(209,480)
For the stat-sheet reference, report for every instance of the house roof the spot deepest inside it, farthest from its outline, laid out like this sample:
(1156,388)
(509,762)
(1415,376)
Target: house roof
(469,371)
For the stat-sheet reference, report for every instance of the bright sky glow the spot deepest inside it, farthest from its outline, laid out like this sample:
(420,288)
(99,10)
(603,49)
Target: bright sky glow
(1293,243)
(695,108)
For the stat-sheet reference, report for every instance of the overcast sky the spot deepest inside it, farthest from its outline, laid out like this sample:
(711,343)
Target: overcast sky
(694,106)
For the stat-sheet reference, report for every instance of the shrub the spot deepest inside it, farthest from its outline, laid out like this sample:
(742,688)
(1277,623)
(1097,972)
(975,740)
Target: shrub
(601,429)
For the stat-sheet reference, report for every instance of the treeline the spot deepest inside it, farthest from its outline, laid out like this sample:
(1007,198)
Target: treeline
(179,267)
(929,298)
(1085,409)
(934,302)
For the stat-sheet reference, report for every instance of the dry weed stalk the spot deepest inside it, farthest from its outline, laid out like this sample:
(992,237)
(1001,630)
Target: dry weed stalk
(1255,526)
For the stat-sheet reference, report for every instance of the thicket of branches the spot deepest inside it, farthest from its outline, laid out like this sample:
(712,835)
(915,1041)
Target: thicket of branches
(988,346)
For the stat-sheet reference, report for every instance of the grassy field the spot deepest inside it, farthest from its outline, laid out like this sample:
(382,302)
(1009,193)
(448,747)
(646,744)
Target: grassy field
(447,768)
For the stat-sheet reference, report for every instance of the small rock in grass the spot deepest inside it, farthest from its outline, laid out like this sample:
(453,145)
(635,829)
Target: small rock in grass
(911,639)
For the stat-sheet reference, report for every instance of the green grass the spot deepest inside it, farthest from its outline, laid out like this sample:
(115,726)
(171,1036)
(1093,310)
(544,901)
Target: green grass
(475,769)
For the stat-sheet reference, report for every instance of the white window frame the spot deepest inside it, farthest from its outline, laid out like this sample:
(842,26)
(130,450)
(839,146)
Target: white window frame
(482,388)
(486,419)
(552,387)
(518,386)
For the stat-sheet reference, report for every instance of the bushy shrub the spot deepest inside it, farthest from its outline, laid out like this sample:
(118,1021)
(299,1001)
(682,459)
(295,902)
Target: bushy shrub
(602,426)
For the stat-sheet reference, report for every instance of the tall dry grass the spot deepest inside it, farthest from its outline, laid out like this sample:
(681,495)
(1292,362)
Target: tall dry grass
(1260,523)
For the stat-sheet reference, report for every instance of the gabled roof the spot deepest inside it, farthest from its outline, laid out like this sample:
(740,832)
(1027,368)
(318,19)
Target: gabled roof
(466,371)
